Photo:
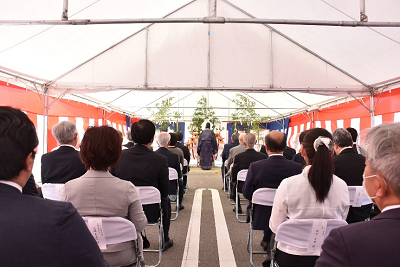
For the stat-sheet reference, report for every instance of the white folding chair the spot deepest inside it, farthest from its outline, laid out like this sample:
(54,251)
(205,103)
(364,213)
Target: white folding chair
(357,196)
(173,178)
(307,234)
(52,191)
(263,197)
(150,195)
(241,177)
(112,230)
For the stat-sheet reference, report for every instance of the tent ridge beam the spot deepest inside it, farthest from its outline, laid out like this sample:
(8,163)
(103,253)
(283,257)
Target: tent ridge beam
(218,20)
(231,89)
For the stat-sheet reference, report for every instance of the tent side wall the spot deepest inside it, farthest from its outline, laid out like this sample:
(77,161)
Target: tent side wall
(350,114)
(81,114)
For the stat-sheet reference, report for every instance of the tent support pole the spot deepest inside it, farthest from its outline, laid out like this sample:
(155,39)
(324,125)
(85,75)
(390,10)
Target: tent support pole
(45,120)
(372,110)
(64,16)
(272,64)
(146,57)
(363,16)
(212,13)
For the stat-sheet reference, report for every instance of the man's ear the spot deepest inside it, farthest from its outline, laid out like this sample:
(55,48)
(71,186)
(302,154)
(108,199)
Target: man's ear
(29,163)
(381,185)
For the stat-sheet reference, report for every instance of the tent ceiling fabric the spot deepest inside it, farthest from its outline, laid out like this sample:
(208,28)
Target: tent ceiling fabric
(134,65)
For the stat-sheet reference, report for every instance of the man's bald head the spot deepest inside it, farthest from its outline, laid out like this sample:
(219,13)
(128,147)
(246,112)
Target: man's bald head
(241,136)
(275,142)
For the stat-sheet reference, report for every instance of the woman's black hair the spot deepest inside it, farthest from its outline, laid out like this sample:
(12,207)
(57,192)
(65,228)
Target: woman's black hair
(322,168)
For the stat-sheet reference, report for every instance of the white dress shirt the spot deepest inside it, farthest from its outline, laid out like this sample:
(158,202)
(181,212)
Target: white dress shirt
(13,184)
(295,199)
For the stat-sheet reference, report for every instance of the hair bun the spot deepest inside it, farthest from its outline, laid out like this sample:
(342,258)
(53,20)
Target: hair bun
(323,140)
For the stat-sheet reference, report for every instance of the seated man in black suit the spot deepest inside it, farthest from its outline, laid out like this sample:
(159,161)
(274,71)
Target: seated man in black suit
(225,153)
(34,231)
(143,167)
(63,164)
(349,166)
(268,173)
(354,136)
(163,140)
(186,155)
(374,242)
(243,160)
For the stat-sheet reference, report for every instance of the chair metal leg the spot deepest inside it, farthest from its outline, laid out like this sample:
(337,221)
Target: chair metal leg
(160,242)
(237,207)
(176,212)
(250,241)
(229,194)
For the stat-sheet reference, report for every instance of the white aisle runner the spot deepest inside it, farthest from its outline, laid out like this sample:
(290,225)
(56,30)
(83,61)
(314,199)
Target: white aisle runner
(191,252)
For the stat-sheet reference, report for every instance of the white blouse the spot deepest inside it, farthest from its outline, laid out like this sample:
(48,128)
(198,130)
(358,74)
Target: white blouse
(295,199)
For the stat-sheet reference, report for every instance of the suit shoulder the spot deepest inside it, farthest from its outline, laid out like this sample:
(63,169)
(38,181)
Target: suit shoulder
(48,206)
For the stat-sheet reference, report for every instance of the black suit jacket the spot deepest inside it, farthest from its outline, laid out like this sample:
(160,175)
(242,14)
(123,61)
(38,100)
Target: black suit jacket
(129,144)
(299,159)
(289,152)
(143,167)
(368,244)
(243,160)
(185,149)
(62,165)
(349,166)
(40,232)
(263,150)
(172,159)
(267,173)
(30,187)
(227,147)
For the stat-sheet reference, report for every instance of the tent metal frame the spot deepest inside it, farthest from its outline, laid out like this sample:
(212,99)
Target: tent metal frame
(211,19)
(215,20)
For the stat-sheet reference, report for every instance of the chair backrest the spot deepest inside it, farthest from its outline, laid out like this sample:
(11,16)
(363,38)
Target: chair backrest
(185,163)
(173,174)
(357,196)
(264,196)
(52,191)
(241,176)
(110,230)
(306,233)
(149,195)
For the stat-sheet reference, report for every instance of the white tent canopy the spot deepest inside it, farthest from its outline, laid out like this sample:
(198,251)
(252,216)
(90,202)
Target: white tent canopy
(131,66)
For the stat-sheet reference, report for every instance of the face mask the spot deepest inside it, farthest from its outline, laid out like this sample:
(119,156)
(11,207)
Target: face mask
(365,190)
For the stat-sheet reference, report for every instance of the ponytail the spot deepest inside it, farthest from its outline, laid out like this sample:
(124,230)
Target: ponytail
(318,145)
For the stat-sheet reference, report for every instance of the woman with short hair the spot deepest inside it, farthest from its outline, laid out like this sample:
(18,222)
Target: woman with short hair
(314,194)
(98,193)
